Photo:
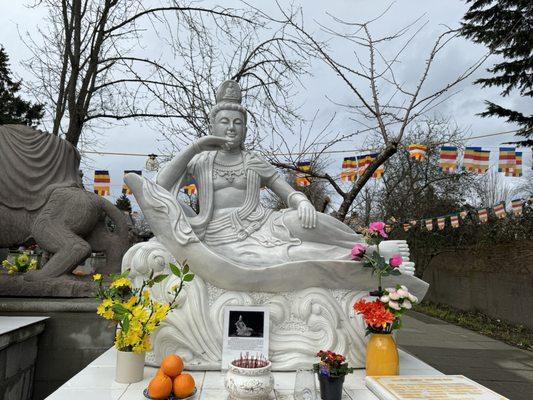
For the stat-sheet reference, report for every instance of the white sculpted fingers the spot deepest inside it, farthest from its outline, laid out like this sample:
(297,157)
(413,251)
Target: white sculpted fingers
(407,268)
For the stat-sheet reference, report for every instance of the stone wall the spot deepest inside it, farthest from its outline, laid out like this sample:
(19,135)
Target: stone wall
(497,281)
(18,353)
(74,336)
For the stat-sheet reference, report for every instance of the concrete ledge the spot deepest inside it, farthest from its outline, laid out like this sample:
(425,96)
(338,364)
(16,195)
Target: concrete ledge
(18,354)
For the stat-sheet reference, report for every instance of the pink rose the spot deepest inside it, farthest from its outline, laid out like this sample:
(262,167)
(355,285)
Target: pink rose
(378,227)
(358,250)
(396,261)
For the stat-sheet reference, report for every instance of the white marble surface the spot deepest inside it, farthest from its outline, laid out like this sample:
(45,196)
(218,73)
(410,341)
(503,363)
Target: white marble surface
(97,382)
(8,324)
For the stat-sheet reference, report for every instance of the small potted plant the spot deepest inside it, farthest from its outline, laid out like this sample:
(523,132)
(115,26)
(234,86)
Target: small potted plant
(382,316)
(249,378)
(136,316)
(371,257)
(331,371)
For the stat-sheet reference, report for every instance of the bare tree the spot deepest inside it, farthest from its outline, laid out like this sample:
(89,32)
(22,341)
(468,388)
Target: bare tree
(381,104)
(492,189)
(91,61)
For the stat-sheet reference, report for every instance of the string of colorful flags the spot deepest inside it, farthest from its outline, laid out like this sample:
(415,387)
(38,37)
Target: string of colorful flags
(482,214)
(475,160)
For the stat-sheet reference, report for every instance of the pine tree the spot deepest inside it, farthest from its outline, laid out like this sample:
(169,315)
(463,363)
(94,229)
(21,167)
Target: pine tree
(14,110)
(506,27)
(123,203)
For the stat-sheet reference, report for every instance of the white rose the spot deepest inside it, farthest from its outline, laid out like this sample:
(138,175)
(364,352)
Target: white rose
(404,288)
(403,293)
(394,305)
(390,290)
(413,299)
(407,304)
(394,296)
(384,299)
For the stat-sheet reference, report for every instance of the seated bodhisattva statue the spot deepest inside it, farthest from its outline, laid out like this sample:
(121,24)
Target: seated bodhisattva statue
(235,242)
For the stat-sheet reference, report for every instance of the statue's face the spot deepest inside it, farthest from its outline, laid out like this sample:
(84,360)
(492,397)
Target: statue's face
(230,124)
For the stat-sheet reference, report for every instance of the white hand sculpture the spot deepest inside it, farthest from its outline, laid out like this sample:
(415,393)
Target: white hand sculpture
(389,248)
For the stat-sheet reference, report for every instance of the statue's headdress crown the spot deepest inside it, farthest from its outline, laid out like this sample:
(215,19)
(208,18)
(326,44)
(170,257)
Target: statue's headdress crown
(229,92)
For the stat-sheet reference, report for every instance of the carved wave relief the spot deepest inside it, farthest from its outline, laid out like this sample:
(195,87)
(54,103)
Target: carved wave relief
(301,322)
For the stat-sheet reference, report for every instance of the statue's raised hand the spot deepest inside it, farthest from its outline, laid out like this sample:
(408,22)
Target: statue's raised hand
(211,143)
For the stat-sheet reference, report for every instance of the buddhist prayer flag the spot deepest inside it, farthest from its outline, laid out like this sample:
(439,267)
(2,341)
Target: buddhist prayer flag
(302,179)
(483,215)
(499,210)
(448,158)
(379,172)
(102,182)
(349,168)
(441,222)
(476,159)
(507,161)
(429,224)
(190,189)
(518,160)
(517,207)
(454,220)
(417,151)
(125,189)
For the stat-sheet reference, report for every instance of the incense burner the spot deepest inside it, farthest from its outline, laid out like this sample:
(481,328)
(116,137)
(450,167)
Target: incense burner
(244,383)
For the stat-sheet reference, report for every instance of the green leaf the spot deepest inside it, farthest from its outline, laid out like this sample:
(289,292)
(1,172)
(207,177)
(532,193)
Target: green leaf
(188,277)
(125,324)
(185,269)
(119,309)
(395,272)
(175,270)
(160,278)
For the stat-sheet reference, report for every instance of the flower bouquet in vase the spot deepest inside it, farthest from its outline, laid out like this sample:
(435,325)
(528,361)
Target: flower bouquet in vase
(370,256)
(136,315)
(331,371)
(381,317)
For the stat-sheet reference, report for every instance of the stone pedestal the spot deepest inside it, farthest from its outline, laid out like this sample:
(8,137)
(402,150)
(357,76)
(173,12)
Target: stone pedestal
(18,354)
(74,336)
(301,321)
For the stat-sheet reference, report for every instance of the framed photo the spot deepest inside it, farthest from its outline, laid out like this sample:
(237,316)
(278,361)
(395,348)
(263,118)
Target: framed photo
(246,331)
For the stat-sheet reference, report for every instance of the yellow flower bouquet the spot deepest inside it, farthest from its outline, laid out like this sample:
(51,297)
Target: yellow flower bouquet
(136,314)
(22,263)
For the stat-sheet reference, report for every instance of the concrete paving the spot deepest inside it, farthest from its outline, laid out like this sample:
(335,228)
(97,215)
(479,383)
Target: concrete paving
(457,351)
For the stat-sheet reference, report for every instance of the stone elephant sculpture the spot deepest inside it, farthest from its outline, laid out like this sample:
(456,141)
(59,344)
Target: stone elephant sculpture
(42,198)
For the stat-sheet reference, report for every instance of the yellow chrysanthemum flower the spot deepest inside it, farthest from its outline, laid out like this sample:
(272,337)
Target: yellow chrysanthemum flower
(23,259)
(97,277)
(121,282)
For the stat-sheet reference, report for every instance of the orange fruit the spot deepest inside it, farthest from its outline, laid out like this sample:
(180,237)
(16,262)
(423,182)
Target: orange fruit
(160,387)
(172,365)
(183,385)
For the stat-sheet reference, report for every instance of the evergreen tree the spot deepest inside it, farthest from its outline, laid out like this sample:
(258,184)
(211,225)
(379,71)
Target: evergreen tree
(506,27)
(123,203)
(14,110)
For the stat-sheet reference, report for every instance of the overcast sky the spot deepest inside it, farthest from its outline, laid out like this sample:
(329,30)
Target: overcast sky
(461,108)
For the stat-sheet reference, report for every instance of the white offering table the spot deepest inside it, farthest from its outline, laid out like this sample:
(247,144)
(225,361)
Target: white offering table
(97,382)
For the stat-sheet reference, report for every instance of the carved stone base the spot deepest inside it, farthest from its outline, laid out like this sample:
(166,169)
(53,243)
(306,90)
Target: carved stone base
(301,322)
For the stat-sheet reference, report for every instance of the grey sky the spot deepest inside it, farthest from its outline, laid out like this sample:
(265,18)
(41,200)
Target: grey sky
(462,108)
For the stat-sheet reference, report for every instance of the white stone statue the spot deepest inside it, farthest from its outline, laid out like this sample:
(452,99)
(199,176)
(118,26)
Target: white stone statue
(248,253)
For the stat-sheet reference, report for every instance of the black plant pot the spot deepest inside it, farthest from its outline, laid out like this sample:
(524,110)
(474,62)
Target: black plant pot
(330,388)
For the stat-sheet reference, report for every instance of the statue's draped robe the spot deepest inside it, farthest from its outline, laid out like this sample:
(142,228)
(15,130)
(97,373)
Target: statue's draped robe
(32,165)
(252,234)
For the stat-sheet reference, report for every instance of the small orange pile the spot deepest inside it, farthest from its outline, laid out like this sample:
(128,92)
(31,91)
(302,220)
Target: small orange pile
(169,379)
